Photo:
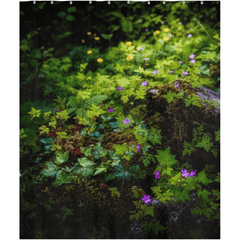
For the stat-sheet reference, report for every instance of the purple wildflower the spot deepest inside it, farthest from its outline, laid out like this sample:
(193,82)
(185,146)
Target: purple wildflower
(155,72)
(146,59)
(146,199)
(146,29)
(172,71)
(139,147)
(189,35)
(110,109)
(140,21)
(126,121)
(184,173)
(157,175)
(59,110)
(162,22)
(177,85)
(144,83)
(192,56)
(192,173)
(191,29)
(120,88)
(192,61)
(180,62)
(54,108)
(185,73)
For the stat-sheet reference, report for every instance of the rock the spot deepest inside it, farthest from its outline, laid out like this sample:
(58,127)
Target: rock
(178,122)
(180,223)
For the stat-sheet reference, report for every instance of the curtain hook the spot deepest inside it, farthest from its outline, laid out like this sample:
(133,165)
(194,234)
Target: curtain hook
(90,2)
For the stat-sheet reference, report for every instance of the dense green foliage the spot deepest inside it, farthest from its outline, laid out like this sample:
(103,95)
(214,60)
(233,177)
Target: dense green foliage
(85,75)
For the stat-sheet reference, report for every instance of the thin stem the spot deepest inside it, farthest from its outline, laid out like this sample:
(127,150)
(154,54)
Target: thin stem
(207,33)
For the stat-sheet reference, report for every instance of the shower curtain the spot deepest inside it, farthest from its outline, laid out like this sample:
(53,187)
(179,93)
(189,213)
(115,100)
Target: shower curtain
(117,49)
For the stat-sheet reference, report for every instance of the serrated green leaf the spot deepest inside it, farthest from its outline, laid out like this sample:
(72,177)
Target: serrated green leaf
(148,210)
(120,149)
(66,212)
(165,158)
(204,194)
(96,100)
(167,171)
(203,178)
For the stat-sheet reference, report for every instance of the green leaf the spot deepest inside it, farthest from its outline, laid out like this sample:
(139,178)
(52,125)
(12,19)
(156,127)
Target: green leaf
(214,152)
(182,195)
(165,158)
(205,143)
(66,212)
(120,173)
(61,157)
(87,151)
(121,149)
(62,178)
(51,171)
(127,26)
(106,36)
(70,17)
(147,210)
(167,171)
(100,170)
(115,191)
(203,178)
(217,136)
(61,14)
(109,177)
(204,194)
(170,96)
(113,154)
(96,100)
(137,172)
(119,68)
(175,179)
(85,162)
(72,9)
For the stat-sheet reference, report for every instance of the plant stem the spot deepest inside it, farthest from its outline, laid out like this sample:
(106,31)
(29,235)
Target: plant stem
(207,33)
